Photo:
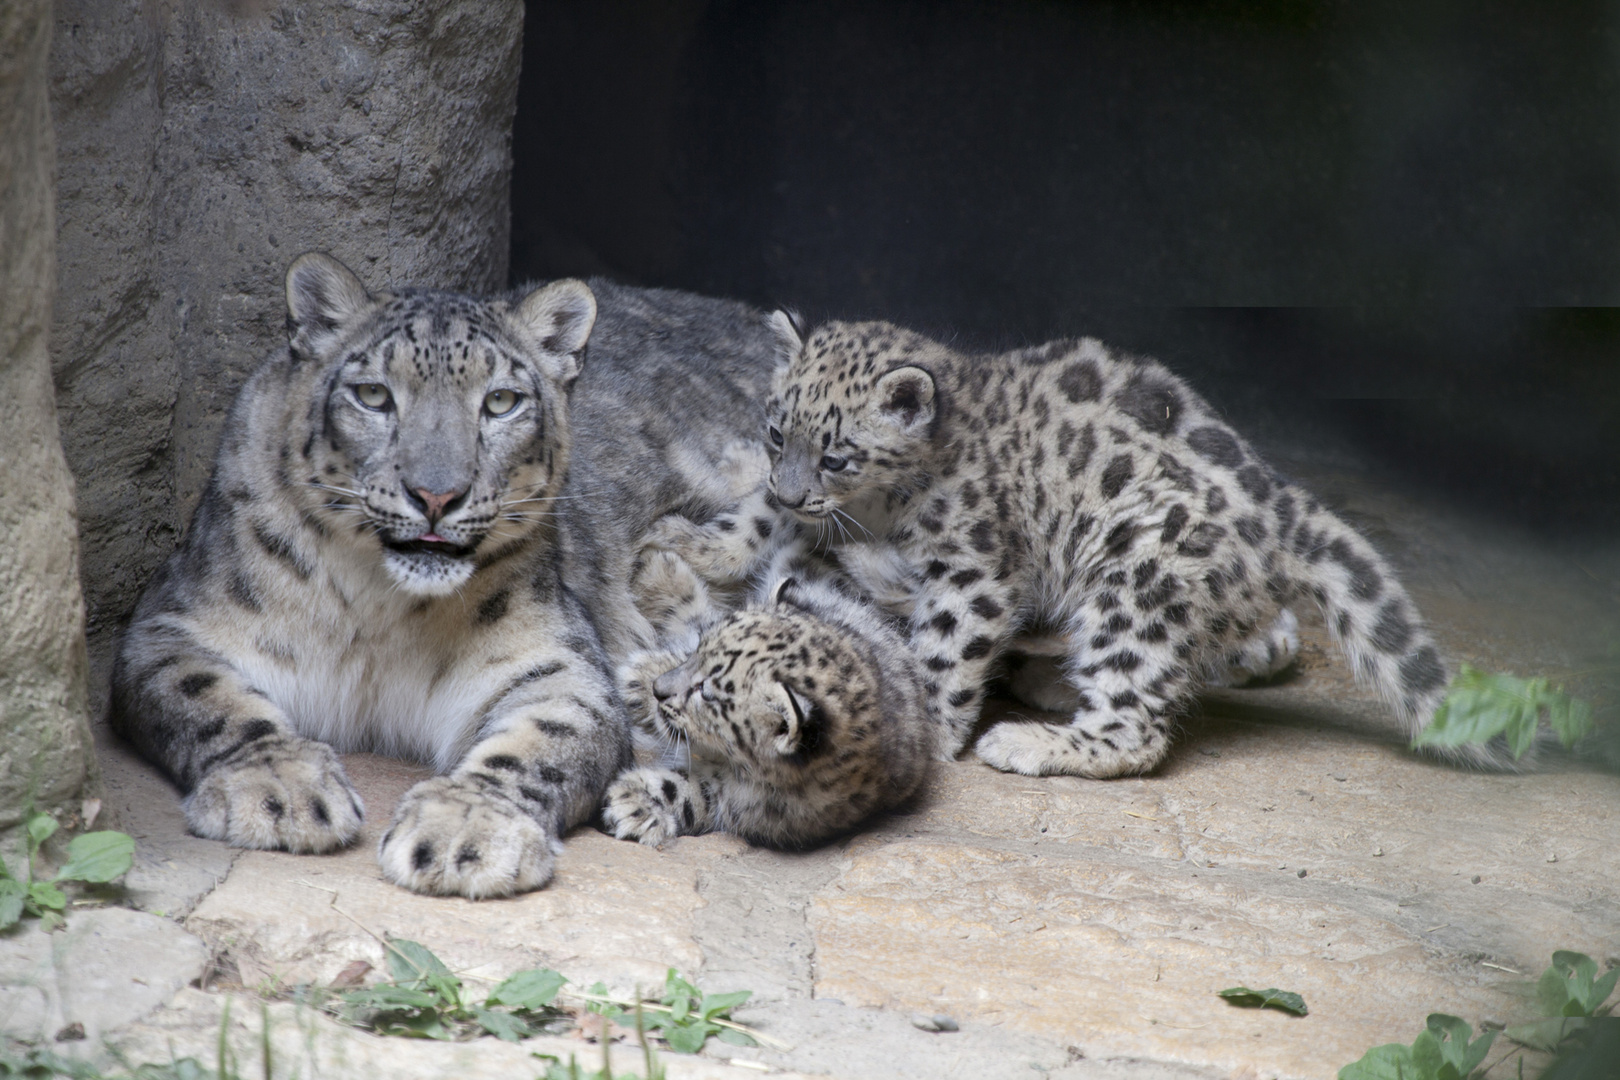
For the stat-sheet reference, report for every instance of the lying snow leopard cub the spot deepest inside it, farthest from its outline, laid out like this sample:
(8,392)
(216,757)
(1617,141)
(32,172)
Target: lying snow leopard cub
(802,714)
(1069,487)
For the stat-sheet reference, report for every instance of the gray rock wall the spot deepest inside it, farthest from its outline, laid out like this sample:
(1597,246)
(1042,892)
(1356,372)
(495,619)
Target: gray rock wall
(45,747)
(201,147)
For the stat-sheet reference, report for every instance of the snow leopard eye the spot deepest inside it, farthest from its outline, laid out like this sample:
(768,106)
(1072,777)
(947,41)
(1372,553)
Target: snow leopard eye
(776,435)
(501,402)
(373,395)
(834,463)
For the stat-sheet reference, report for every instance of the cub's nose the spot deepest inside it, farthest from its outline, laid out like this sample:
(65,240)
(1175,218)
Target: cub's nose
(671,683)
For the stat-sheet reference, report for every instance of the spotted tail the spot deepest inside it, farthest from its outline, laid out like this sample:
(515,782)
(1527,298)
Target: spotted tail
(1378,626)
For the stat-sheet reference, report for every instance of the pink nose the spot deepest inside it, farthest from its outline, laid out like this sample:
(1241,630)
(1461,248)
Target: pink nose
(435,504)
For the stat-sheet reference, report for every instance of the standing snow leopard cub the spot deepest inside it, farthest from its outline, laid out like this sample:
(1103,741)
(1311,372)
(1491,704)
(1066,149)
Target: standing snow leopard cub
(1066,487)
(801,714)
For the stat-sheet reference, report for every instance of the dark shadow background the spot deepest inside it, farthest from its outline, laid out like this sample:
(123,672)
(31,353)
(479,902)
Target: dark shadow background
(1382,231)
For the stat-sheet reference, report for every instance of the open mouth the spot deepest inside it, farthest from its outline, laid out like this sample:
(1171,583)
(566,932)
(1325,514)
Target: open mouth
(429,544)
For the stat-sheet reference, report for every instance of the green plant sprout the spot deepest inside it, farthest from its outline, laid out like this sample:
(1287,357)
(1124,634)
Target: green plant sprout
(93,858)
(424,999)
(1570,995)
(1479,706)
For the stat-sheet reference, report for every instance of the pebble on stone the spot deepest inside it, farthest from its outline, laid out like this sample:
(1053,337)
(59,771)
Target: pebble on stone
(936,1022)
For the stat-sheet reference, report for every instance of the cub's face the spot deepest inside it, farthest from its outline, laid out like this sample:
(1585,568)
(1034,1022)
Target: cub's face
(774,691)
(438,424)
(849,414)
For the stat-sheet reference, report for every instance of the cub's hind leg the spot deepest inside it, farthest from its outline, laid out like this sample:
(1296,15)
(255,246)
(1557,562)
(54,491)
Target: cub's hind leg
(1258,656)
(1128,670)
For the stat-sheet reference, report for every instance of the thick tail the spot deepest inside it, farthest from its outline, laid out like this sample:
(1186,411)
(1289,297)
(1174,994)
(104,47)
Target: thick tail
(1376,624)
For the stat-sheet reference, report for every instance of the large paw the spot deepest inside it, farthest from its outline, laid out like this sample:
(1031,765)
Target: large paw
(642,805)
(282,792)
(455,836)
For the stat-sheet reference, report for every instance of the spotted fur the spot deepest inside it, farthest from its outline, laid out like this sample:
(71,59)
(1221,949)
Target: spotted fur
(799,716)
(373,567)
(1070,488)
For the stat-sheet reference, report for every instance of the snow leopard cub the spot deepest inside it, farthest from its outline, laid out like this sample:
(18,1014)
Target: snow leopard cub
(1071,488)
(803,713)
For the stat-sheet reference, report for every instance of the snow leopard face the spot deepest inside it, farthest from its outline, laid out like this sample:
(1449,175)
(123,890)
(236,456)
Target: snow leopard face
(786,697)
(441,427)
(850,409)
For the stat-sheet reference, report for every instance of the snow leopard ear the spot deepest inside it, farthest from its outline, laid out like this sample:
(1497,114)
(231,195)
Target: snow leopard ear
(803,726)
(560,316)
(323,296)
(789,331)
(906,396)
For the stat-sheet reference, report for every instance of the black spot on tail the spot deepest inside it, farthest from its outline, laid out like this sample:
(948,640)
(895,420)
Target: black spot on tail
(1365,581)
(1393,631)
(193,685)
(1422,672)
(1252,479)
(1216,444)
(1080,381)
(1150,401)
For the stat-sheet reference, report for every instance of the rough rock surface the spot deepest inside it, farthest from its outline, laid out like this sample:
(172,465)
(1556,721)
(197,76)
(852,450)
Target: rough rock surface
(45,752)
(201,147)
(1067,927)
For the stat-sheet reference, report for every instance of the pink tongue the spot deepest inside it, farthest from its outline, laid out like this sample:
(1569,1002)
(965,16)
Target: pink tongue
(433,538)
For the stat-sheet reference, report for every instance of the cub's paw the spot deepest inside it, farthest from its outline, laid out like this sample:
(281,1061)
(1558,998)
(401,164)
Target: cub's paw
(1262,655)
(636,677)
(281,792)
(455,836)
(643,804)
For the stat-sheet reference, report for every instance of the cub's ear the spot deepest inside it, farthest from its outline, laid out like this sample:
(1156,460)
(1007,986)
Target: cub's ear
(560,316)
(803,725)
(789,333)
(323,296)
(906,396)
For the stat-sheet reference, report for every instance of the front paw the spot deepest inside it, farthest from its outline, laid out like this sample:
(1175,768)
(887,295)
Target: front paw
(282,792)
(636,809)
(636,677)
(456,836)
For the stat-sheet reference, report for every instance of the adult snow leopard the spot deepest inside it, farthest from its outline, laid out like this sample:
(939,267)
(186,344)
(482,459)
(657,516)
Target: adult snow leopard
(1072,488)
(387,558)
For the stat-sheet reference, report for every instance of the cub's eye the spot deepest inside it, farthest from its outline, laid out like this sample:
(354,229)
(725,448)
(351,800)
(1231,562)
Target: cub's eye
(373,395)
(833,463)
(776,435)
(501,402)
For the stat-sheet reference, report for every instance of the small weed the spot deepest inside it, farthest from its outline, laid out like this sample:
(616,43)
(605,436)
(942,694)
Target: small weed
(1480,706)
(93,858)
(424,999)
(1570,995)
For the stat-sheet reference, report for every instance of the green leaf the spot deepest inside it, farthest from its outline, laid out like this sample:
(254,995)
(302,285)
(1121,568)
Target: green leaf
(1392,1061)
(528,990)
(1456,1053)
(735,1037)
(686,1038)
(1285,1000)
(502,1024)
(389,997)
(1546,1034)
(40,829)
(722,1004)
(409,961)
(98,857)
(674,984)
(1480,706)
(1601,989)
(12,894)
(46,897)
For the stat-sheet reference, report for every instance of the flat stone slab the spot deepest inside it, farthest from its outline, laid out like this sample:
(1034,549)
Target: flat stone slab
(105,968)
